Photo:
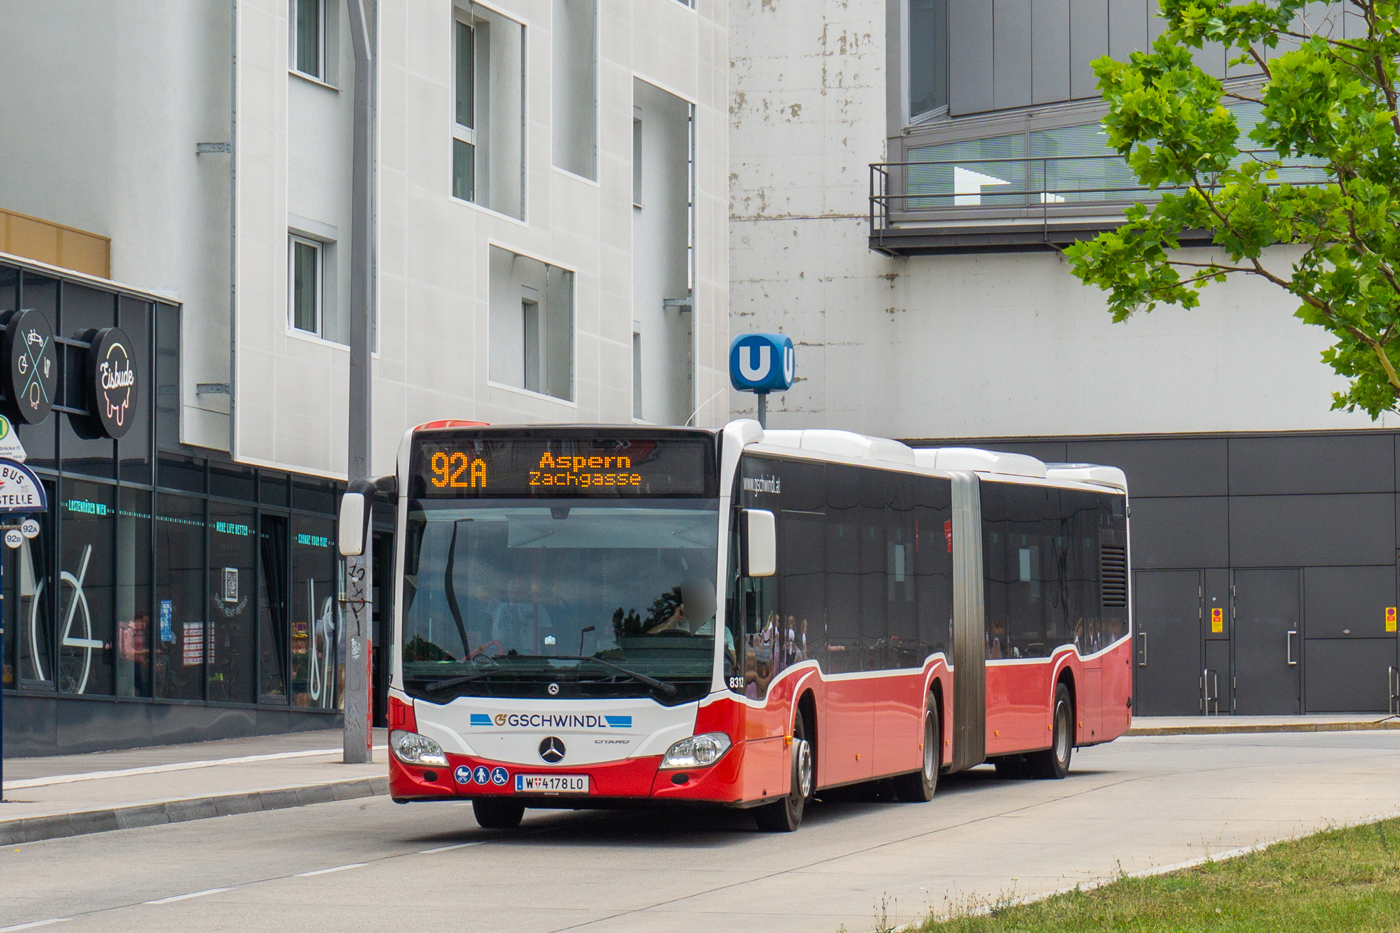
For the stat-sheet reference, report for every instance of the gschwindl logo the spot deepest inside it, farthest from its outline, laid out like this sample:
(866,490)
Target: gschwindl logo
(763,484)
(550,721)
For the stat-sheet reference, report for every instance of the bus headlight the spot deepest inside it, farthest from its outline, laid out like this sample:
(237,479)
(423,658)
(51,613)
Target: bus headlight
(698,751)
(414,749)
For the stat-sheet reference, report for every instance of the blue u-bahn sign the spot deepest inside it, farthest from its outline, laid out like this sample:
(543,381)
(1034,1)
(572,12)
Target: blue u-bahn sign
(762,362)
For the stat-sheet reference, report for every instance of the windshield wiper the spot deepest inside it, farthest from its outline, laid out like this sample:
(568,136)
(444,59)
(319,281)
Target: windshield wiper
(451,682)
(668,689)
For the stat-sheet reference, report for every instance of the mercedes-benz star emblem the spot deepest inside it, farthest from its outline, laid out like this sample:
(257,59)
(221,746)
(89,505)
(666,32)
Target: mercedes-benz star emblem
(552,750)
(554,690)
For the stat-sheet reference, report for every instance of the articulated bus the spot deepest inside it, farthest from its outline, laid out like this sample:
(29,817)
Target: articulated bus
(601,616)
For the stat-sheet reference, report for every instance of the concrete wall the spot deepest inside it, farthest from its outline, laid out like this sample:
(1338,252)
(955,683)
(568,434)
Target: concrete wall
(982,345)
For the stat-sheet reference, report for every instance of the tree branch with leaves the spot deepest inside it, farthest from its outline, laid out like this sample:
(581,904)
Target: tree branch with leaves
(1320,172)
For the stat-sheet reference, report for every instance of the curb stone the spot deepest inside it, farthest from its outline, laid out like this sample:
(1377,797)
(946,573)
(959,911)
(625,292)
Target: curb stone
(62,825)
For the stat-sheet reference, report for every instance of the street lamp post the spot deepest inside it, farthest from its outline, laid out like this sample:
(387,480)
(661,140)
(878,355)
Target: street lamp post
(358,570)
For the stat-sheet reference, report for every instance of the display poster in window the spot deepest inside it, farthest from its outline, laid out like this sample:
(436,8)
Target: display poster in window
(167,621)
(192,643)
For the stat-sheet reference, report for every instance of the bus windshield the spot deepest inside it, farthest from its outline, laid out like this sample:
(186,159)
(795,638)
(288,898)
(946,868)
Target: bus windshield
(560,598)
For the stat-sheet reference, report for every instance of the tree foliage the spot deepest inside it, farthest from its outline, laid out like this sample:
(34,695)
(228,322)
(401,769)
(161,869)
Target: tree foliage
(1327,100)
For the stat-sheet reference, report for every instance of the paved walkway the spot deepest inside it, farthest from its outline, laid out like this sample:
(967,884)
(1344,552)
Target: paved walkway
(1235,725)
(72,795)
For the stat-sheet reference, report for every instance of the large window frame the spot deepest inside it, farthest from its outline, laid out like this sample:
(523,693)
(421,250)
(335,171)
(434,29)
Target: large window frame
(464,106)
(317,69)
(939,108)
(296,244)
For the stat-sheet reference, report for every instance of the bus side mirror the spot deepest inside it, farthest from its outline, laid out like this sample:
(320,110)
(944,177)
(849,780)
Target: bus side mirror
(759,542)
(356,510)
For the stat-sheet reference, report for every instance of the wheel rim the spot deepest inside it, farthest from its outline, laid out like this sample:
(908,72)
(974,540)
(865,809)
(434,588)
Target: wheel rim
(1062,732)
(803,783)
(930,749)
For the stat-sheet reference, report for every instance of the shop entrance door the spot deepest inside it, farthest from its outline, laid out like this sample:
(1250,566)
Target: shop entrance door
(381,625)
(1168,642)
(1268,641)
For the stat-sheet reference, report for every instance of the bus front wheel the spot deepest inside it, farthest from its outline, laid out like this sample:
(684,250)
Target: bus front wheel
(785,815)
(497,814)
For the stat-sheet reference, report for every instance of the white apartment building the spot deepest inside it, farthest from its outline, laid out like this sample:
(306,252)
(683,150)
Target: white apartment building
(549,234)
(902,173)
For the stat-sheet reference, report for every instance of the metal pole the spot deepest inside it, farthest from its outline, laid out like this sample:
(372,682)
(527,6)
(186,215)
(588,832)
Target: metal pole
(358,570)
(2,684)
(763,410)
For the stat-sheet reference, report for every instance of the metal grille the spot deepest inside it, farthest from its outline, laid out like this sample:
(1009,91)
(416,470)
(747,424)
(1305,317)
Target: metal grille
(1113,576)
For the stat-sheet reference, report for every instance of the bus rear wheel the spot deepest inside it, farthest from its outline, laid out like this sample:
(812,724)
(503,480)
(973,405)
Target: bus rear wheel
(497,814)
(1053,763)
(919,786)
(784,816)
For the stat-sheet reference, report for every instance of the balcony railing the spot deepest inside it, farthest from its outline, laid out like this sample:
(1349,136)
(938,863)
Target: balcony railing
(1018,203)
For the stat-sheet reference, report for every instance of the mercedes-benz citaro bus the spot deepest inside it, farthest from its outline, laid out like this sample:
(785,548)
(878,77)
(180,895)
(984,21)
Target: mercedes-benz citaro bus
(591,616)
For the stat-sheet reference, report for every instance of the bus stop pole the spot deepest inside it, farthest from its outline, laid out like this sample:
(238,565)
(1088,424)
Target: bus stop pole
(2,680)
(358,746)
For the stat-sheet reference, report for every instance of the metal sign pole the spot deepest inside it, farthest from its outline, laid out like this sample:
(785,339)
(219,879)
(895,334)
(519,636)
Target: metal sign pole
(762,409)
(2,685)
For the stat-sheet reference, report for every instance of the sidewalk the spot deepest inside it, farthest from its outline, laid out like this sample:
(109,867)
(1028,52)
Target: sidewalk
(1235,725)
(70,795)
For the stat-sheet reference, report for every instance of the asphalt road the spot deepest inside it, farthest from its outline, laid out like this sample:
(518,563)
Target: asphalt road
(372,865)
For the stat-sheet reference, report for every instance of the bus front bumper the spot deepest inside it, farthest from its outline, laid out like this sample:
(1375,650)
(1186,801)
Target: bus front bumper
(627,779)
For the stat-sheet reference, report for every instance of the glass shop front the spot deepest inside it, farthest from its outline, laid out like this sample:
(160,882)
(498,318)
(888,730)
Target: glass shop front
(168,595)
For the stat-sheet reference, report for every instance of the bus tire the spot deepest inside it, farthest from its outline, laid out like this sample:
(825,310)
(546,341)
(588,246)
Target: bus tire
(919,786)
(784,816)
(1053,763)
(491,813)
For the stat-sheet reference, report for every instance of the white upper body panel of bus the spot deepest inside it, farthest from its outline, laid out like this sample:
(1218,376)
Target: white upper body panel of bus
(849,445)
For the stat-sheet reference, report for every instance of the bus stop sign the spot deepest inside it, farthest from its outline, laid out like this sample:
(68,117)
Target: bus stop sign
(21,495)
(762,363)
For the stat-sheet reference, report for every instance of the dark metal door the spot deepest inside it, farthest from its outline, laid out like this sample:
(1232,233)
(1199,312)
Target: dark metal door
(1167,617)
(1268,641)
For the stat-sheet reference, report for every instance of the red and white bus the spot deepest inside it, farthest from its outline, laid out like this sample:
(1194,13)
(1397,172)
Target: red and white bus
(591,615)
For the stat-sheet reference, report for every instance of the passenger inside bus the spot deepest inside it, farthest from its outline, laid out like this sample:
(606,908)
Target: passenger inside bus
(518,622)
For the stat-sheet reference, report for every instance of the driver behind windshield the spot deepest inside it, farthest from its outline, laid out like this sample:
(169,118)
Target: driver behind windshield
(698,594)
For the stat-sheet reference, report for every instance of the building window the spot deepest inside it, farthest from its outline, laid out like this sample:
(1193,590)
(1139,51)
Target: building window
(636,157)
(927,57)
(464,121)
(306,285)
(309,37)
(531,325)
(575,106)
(488,116)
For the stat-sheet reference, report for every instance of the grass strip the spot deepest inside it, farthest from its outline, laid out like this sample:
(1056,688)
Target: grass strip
(1339,880)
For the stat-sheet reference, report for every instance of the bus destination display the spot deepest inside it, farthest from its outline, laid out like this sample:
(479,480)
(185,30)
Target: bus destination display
(529,467)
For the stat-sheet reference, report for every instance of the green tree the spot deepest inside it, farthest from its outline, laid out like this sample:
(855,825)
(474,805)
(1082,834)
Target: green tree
(1326,101)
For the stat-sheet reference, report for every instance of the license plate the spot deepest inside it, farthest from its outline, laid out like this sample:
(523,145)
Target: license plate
(551,783)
